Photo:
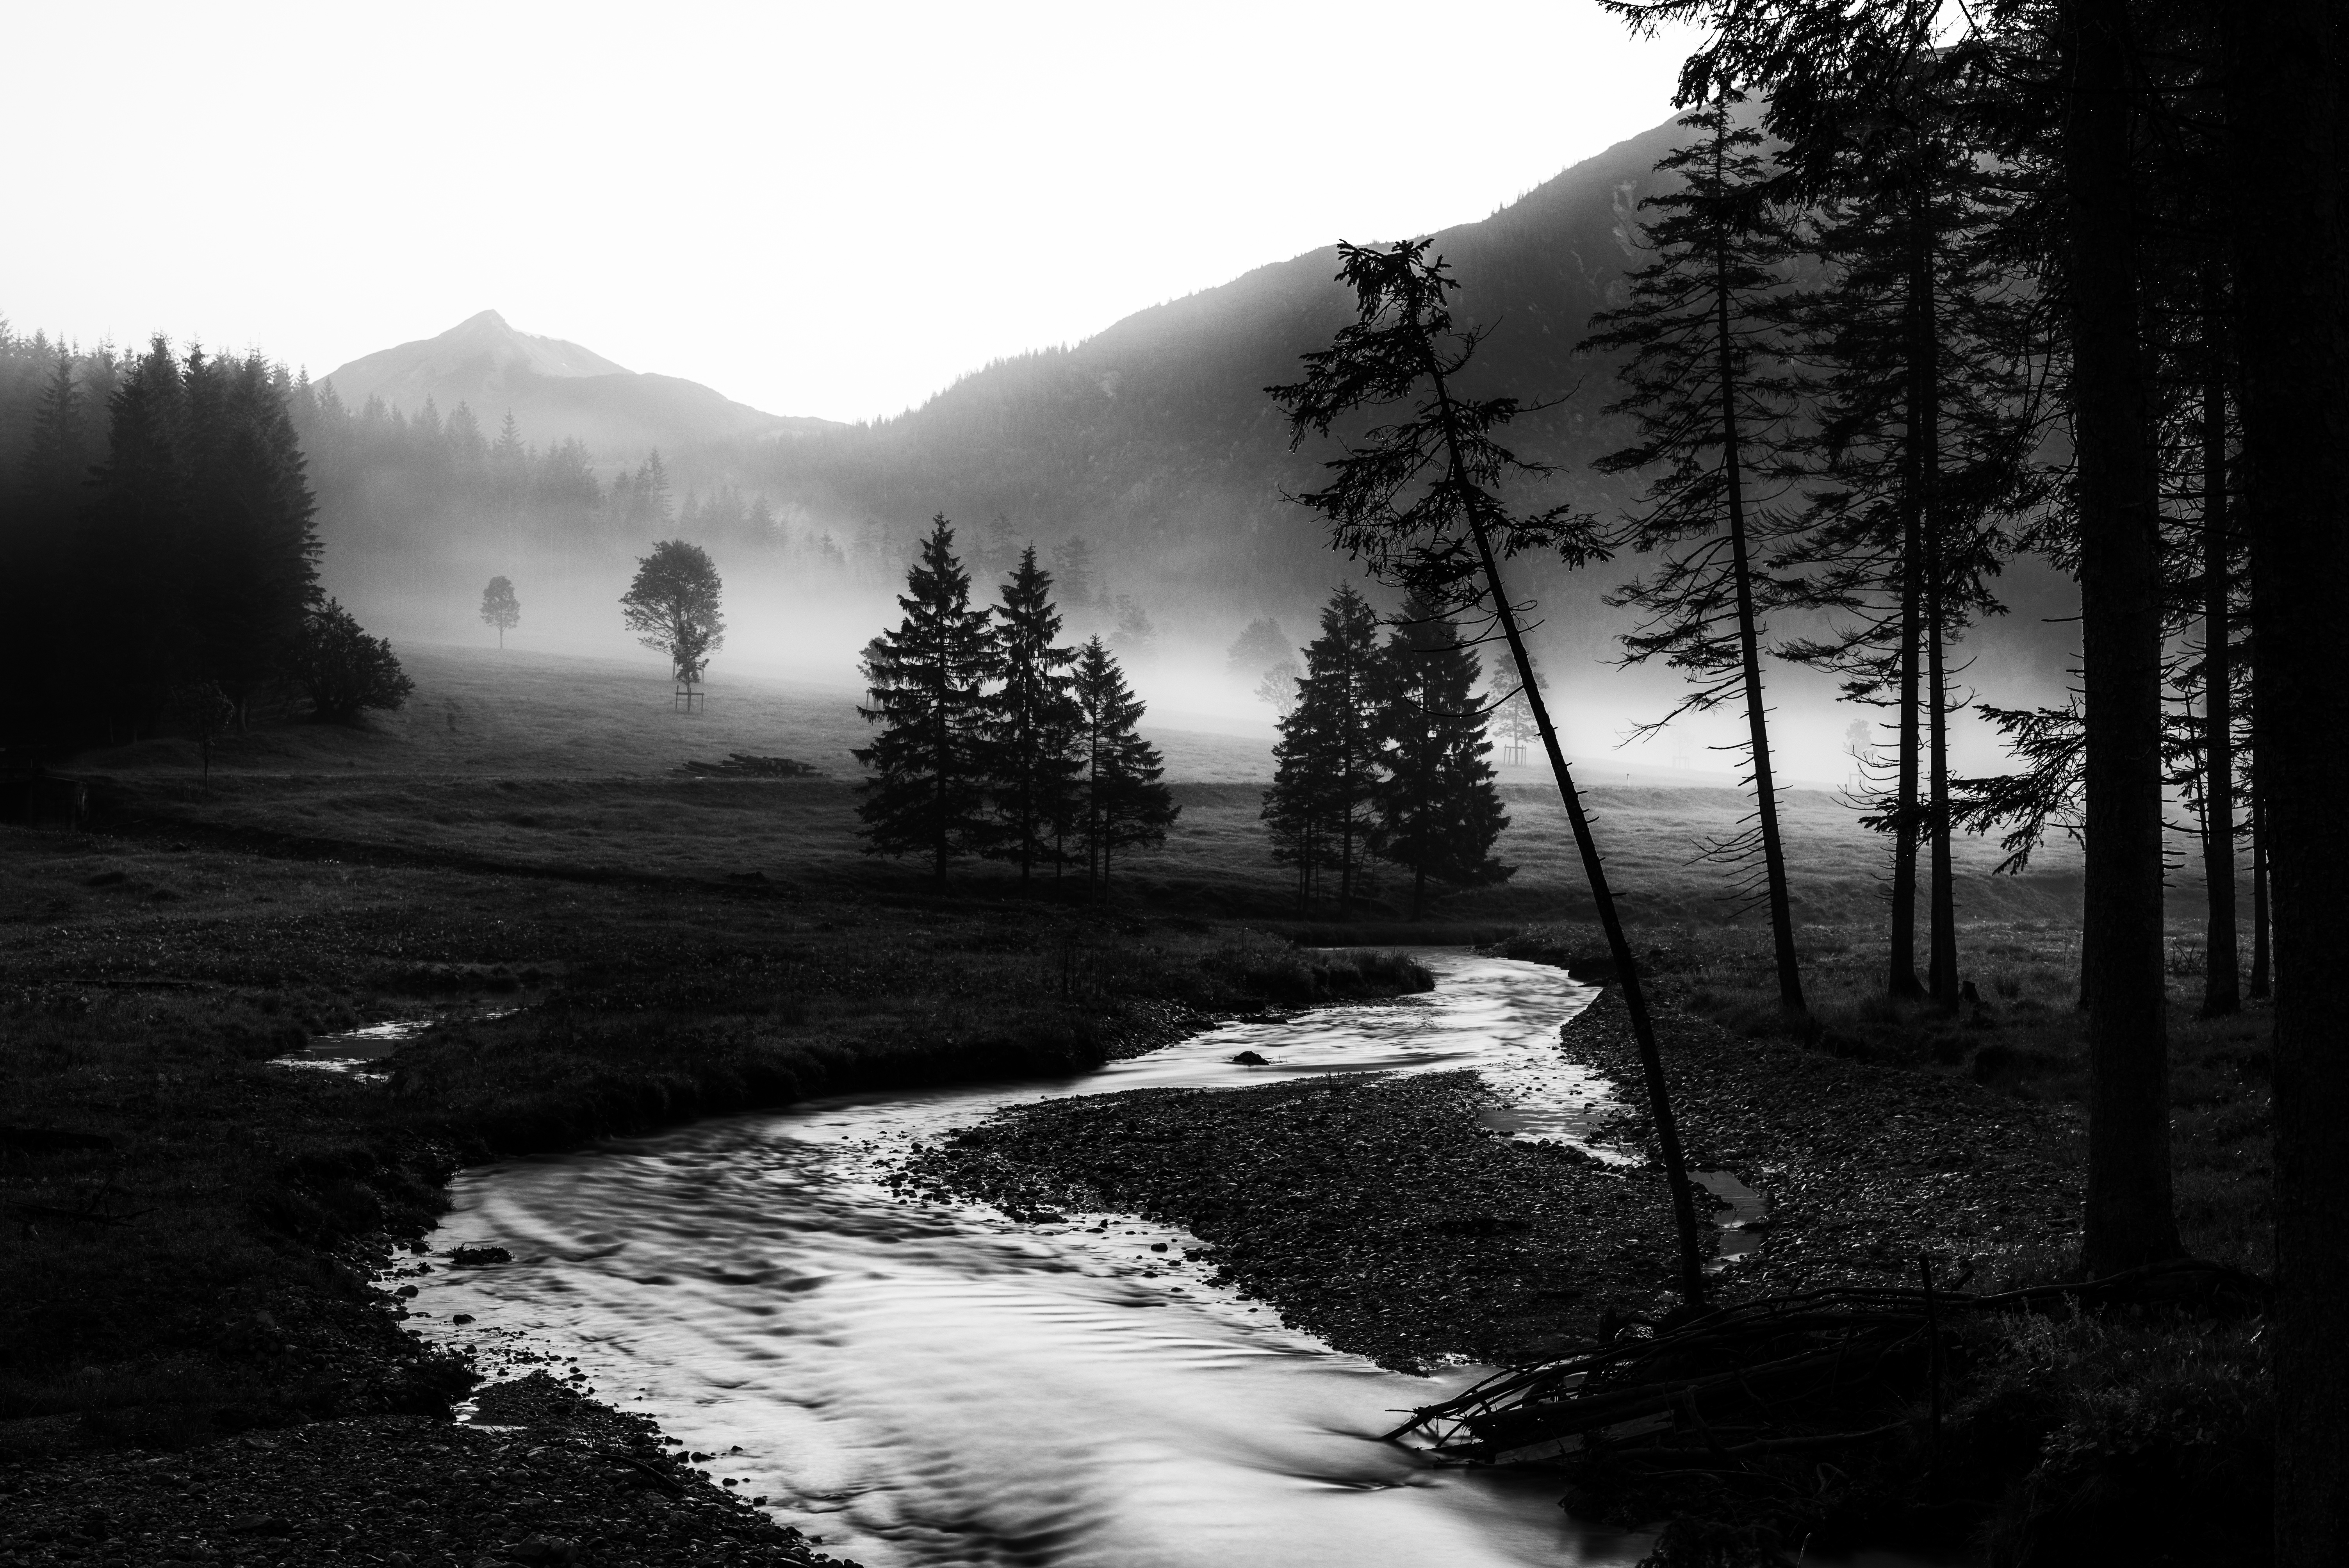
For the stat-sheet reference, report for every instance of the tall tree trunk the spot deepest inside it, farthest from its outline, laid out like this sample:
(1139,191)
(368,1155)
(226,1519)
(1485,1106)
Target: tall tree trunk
(1924,460)
(1907,809)
(2287,124)
(1594,870)
(1749,648)
(2129,1218)
(2261,958)
(2222,965)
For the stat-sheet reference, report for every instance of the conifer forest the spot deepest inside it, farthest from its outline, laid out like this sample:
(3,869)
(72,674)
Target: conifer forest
(1572,796)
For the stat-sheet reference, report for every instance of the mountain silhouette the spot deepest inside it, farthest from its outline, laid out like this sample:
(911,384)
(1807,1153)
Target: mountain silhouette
(553,389)
(1156,440)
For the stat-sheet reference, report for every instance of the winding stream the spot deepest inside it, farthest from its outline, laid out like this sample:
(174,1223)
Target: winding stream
(920,1384)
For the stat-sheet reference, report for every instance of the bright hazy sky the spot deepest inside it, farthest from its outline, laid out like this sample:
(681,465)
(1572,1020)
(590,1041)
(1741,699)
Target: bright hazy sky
(831,208)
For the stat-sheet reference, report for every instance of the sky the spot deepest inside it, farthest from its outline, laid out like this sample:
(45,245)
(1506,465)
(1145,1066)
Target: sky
(817,208)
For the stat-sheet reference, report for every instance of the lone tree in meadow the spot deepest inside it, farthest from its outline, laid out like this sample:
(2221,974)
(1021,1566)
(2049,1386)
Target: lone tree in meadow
(1031,761)
(673,605)
(499,608)
(1434,810)
(1418,501)
(927,682)
(1123,803)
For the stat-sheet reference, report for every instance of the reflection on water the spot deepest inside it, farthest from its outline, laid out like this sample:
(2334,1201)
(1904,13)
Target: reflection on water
(927,1385)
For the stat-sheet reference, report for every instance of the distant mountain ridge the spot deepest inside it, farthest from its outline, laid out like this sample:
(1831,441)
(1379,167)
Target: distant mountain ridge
(1155,437)
(555,389)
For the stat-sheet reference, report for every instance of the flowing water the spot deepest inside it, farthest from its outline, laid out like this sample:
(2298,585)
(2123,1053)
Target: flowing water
(921,1384)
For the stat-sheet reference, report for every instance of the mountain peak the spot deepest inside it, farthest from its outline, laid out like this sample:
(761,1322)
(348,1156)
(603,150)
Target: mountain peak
(553,388)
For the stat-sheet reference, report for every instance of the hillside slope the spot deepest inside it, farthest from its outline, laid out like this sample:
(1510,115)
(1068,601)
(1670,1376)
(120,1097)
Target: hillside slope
(1155,437)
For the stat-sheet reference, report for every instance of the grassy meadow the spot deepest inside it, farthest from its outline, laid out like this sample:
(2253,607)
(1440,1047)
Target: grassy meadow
(608,944)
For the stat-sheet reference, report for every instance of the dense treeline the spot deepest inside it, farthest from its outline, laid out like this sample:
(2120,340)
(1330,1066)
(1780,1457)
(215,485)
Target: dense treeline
(995,740)
(161,556)
(2064,278)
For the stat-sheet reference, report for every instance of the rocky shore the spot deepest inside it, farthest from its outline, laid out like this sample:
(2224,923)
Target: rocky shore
(542,1475)
(1379,1214)
(1385,1216)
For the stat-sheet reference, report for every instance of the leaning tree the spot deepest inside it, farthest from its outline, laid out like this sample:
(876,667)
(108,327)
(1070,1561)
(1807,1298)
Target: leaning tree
(1418,500)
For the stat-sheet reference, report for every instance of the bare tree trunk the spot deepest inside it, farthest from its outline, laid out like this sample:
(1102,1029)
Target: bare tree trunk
(2286,112)
(2129,1217)
(1594,870)
(2222,964)
(2260,934)
(1749,647)
(1942,974)
(1924,456)
(1906,814)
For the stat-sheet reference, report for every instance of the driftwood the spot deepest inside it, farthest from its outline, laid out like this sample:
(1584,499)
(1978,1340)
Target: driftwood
(1782,1375)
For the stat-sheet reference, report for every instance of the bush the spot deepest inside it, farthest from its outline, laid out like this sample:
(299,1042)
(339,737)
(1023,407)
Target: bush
(344,670)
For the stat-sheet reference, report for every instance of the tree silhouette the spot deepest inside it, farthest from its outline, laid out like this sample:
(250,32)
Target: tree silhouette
(1325,761)
(344,671)
(1703,381)
(1434,811)
(1124,802)
(499,608)
(1418,501)
(673,605)
(926,682)
(1030,764)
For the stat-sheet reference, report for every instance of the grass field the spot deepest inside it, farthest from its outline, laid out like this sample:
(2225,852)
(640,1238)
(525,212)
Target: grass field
(531,760)
(521,836)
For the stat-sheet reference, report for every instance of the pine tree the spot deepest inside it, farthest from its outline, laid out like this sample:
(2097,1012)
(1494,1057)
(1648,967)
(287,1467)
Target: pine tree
(1031,761)
(1923,445)
(249,567)
(1435,811)
(1123,803)
(131,553)
(1323,764)
(1336,700)
(1704,381)
(927,685)
(56,459)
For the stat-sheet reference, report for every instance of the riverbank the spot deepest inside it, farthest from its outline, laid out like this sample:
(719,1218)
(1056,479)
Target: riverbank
(545,1477)
(1388,1217)
(1384,1216)
(192,1226)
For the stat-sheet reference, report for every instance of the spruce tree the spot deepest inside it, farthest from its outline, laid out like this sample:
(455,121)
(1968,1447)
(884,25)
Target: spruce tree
(131,553)
(1030,762)
(1122,801)
(1704,381)
(1435,811)
(927,685)
(1326,745)
(1921,450)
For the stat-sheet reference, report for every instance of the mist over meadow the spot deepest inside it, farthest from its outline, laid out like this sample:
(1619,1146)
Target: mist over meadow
(1146,463)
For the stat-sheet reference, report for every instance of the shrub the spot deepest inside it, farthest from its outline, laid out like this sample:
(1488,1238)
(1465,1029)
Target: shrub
(344,670)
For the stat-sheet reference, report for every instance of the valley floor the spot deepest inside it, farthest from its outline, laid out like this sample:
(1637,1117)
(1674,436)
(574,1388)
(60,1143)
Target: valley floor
(192,1227)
